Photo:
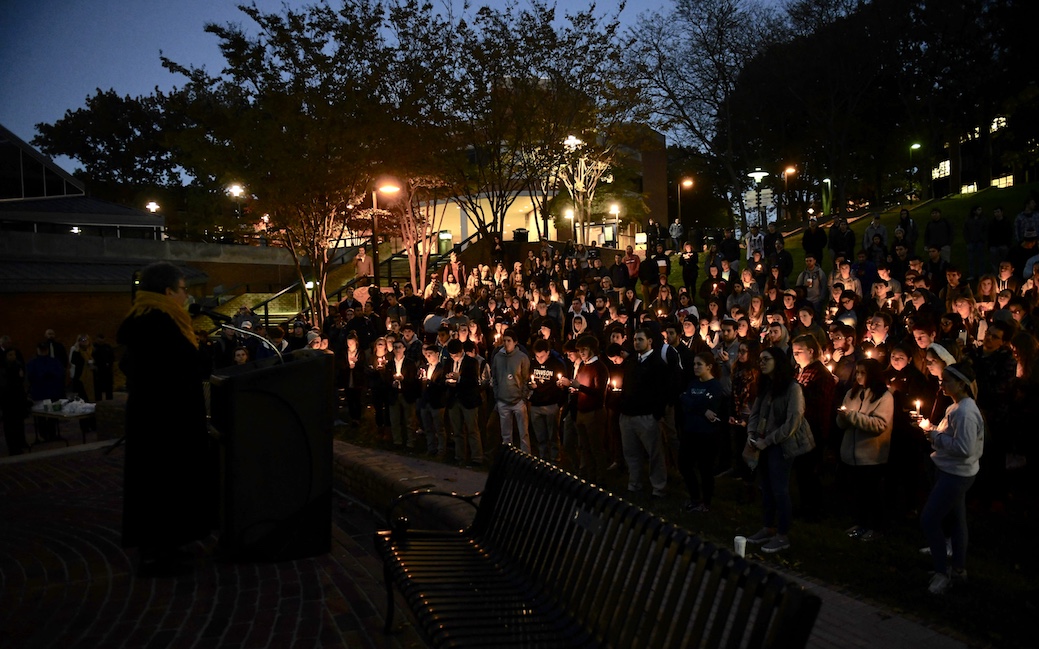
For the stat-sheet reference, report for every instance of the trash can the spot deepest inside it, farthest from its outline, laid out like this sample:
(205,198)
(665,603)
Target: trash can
(520,234)
(444,242)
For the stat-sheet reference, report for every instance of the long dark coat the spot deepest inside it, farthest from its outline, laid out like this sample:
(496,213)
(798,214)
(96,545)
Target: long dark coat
(169,484)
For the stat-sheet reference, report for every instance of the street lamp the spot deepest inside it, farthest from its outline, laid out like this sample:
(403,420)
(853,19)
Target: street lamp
(687,183)
(757,175)
(152,207)
(236,191)
(386,188)
(827,196)
(912,170)
(789,171)
(615,210)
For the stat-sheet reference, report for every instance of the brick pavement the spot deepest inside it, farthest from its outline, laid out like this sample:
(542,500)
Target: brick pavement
(67,583)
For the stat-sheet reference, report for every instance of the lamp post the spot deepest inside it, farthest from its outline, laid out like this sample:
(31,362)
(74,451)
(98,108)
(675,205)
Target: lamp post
(912,171)
(152,207)
(615,210)
(687,183)
(757,175)
(569,216)
(827,198)
(386,188)
(786,191)
(236,192)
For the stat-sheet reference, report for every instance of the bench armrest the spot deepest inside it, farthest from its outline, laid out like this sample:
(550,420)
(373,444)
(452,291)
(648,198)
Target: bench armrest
(400,524)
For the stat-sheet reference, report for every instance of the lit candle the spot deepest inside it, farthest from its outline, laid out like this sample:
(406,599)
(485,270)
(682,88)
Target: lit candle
(918,404)
(615,388)
(830,367)
(869,353)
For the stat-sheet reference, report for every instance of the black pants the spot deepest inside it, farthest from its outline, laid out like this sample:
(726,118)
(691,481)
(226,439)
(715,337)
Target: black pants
(809,487)
(696,455)
(867,494)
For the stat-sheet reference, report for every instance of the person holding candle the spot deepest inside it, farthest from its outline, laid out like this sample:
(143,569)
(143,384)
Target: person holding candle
(510,378)
(380,386)
(700,416)
(589,384)
(908,447)
(818,387)
(958,442)
(434,394)
(866,416)
(400,374)
(546,397)
(463,402)
(776,428)
(642,402)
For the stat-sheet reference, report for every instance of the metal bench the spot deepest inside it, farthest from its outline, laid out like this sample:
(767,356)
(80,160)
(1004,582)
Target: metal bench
(551,561)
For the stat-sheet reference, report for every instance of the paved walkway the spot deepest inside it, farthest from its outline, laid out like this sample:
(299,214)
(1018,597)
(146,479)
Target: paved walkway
(65,582)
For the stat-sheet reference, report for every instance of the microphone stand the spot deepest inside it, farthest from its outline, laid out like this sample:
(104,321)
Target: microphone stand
(246,332)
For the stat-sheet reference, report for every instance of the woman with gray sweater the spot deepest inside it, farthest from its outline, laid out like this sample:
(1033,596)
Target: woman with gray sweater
(958,441)
(775,418)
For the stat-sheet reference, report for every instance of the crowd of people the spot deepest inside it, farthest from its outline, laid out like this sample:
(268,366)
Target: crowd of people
(83,371)
(882,366)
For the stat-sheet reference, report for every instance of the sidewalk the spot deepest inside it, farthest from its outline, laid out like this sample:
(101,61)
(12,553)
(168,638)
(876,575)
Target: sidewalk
(67,583)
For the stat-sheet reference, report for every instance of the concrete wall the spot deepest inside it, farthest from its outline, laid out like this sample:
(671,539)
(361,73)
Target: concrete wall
(25,314)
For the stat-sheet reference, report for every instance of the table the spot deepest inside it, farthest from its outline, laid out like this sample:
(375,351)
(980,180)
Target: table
(58,416)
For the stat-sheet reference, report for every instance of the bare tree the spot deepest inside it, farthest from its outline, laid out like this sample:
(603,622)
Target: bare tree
(689,61)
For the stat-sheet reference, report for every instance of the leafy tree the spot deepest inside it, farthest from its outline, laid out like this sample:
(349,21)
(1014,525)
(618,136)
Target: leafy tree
(117,139)
(297,115)
(515,101)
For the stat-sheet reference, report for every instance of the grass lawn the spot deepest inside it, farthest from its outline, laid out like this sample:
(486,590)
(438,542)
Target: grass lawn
(994,608)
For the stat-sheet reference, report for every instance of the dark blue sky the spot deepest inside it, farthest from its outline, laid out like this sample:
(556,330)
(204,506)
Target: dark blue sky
(55,53)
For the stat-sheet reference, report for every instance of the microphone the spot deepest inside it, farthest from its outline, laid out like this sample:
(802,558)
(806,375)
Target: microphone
(196,309)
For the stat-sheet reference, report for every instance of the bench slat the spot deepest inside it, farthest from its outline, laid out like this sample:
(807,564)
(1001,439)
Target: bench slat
(551,561)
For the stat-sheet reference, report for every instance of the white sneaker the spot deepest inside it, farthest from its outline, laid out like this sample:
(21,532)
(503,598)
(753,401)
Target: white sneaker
(940,584)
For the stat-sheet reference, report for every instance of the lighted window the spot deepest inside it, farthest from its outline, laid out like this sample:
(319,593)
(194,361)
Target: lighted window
(969,189)
(998,123)
(1003,182)
(941,171)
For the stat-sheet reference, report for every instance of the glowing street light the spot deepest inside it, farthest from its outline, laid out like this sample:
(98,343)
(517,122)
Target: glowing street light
(385,188)
(236,191)
(687,183)
(152,207)
(789,171)
(912,170)
(757,175)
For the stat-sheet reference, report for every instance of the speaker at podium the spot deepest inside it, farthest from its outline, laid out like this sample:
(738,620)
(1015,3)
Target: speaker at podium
(275,424)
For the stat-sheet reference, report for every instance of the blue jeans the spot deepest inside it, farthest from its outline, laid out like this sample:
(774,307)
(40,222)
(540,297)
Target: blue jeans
(948,498)
(545,421)
(775,488)
(505,413)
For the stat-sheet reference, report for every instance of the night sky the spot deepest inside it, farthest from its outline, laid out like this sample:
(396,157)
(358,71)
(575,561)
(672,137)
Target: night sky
(55,53)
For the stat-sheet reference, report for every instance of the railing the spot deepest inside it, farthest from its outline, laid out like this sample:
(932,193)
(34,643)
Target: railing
(386,265)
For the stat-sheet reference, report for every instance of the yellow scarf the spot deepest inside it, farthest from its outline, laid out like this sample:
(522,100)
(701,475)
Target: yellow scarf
(147,300)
